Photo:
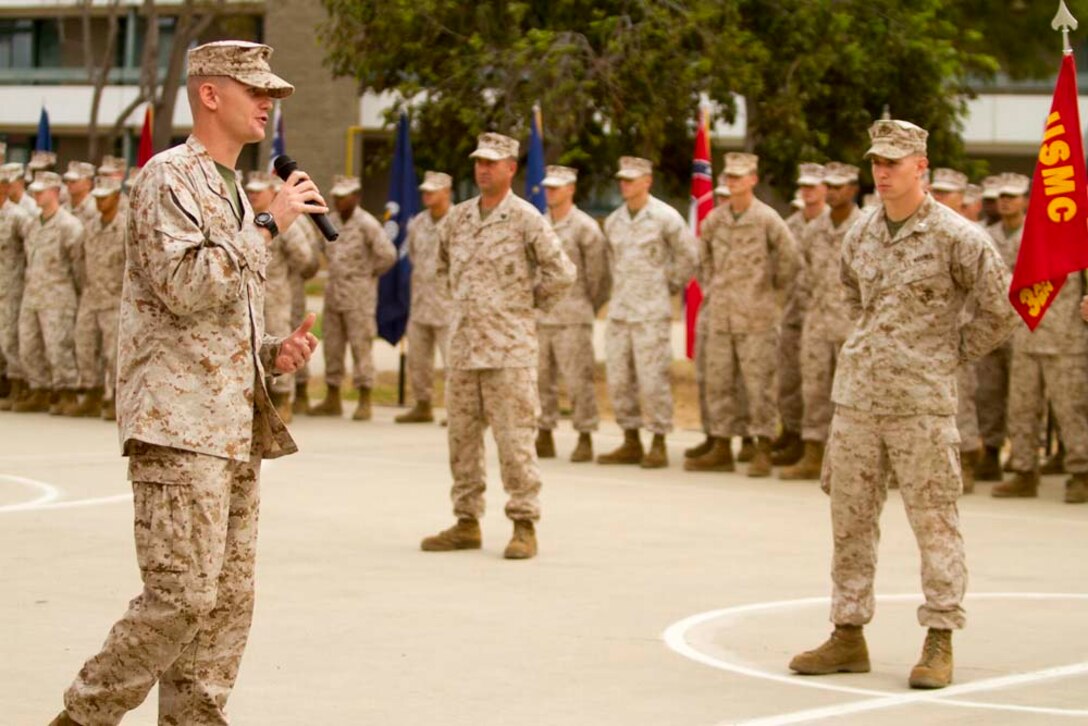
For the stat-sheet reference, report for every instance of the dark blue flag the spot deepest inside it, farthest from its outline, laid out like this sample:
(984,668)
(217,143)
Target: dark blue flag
(45,139)
(394,287)
(534,169)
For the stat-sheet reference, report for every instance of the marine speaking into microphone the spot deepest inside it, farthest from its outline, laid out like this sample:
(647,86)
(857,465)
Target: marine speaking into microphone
(285,166)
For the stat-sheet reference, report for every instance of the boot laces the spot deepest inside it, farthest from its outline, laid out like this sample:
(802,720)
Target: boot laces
(935,647)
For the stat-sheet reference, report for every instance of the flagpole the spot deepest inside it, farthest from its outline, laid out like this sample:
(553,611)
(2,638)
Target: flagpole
(1064,21)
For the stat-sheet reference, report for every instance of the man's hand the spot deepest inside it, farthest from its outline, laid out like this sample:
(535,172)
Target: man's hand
(298,195)
(297,347)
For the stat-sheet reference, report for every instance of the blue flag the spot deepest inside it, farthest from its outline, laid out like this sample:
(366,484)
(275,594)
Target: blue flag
(45,139)
(534,169)
(394,287)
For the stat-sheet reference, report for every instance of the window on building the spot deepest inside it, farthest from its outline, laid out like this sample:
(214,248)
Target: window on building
(16,43)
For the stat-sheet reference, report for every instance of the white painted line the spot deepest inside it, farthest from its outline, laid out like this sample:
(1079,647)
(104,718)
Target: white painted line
(675,637)
(875,704)
(49,493)
(80,503)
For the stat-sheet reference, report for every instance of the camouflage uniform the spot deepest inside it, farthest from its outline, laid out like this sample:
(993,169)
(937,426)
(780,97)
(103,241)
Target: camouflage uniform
(195,420)
(47,318)
(499,270)
(748,263)
(653,256)
(895,397)
(356,260)
(827,321)
(428,321)
(1051,364)
(14,226)
(96,323)
(86,211)
(297,279)
(791,398)
(993,368)
(566,331)
(290,251)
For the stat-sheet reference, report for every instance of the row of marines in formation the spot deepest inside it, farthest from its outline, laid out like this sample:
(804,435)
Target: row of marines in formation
(769,327)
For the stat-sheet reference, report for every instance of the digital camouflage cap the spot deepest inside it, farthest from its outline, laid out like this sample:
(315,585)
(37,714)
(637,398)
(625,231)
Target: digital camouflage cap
(243,61)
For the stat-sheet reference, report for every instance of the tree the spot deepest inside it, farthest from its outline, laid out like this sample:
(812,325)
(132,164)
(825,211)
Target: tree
(626,76)
(98,72)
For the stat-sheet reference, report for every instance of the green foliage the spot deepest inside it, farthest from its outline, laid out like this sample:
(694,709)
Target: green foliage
(626,76)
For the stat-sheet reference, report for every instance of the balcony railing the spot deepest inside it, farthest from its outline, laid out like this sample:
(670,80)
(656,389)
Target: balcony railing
(67,76)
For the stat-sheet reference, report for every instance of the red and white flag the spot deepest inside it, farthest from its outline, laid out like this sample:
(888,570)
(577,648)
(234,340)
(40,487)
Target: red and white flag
(1055,240)
(702,201)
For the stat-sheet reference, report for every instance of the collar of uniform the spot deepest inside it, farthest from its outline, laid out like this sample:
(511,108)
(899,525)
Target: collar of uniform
(748,216)
(498,214)
(565,220)
(646,211)
(212,177)
(918,222)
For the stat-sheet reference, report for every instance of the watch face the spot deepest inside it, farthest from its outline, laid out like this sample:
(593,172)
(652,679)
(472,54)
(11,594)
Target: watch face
(263,219)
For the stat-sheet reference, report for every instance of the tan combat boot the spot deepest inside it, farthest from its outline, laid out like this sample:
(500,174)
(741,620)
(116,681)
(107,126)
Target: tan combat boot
(35,401)
(747,450)
(282,404)
(545,444)
(1025,484)
(718,458)
(523,544)
(584,450)
(17,392)
(331,406)
(109,410)
(808,468)
(91,405)
(629,452)
(302,399)
(701,450)
(63,720)
(67,404)
(1076,489)
(760,465)
(968,464)
(362,408)
(934,670)
(788,449)
(5,386)
(988,467)
(658,456)
(465,535)
(420,413)
(844,652)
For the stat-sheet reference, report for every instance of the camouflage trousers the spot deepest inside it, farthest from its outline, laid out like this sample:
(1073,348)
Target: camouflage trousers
(9,334)
(355,328)
(298,312)
(505,399)
(992,398)
(196,540)
(637,358)
(96,348)
(922,453)
(567,350)
(1063,379)
(422,341)
(746,360)
(967,408)
(277,323)
(818,358)
(46,347)
(791,401)
(740,425)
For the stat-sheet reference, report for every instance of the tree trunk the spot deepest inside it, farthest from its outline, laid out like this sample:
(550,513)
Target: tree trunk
(188,29)
(100,75)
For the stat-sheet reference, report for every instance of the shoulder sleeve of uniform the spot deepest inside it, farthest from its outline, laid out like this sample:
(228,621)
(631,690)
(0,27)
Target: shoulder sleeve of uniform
(555,272)
(186,270)
(977,267)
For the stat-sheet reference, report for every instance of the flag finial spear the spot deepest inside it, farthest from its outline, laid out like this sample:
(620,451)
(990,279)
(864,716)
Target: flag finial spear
(1064,21)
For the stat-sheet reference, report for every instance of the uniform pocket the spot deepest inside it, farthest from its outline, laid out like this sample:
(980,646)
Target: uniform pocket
(510,263)
(163,526)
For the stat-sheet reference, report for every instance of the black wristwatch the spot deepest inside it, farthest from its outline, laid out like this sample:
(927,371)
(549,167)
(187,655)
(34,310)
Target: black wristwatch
(264,220)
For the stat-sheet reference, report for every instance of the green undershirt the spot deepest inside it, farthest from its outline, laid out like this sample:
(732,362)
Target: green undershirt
(232,187)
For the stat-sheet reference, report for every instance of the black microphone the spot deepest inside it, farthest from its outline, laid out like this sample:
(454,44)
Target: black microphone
(285,166)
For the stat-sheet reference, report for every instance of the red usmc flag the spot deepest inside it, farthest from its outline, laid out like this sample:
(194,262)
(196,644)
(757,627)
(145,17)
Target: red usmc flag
(702,201)
(1055,241)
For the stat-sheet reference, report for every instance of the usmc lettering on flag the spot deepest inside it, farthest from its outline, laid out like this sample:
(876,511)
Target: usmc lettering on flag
(1055,239)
